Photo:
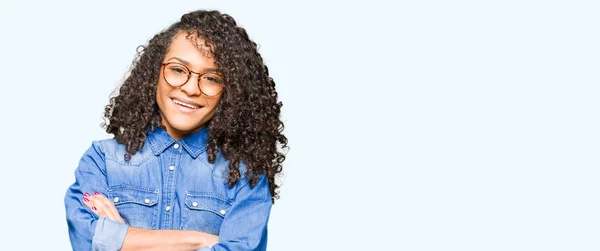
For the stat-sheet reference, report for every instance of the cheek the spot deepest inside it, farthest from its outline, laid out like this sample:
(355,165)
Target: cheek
(213,103)
(161,93)
(212,108)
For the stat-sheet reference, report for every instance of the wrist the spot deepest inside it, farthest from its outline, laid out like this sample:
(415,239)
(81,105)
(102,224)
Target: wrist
(198,240)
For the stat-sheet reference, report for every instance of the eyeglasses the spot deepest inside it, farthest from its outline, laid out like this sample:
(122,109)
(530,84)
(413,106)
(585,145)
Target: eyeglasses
(176,74)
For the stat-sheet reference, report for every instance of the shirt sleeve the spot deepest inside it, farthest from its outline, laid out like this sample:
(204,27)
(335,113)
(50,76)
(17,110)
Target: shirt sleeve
(86,230)
(245,225)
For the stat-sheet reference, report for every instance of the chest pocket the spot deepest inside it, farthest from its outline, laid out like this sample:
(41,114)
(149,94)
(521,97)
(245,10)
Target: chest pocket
(137,206)
(204,212)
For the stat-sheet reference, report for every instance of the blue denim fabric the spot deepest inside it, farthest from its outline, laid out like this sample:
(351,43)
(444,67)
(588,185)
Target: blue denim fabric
(168,184)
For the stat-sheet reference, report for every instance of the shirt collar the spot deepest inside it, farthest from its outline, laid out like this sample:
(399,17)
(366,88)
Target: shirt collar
(194,144)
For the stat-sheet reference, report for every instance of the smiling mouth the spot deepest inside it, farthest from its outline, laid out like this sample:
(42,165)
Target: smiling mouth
(185,104)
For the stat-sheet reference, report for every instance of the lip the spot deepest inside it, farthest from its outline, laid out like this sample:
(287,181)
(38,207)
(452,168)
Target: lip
(185,108)
(187,101)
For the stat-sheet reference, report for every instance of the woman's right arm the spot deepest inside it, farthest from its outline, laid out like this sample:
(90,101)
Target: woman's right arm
(87,231)
(142,239)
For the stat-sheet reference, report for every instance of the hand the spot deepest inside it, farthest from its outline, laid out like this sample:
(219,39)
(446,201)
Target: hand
(102,206)
(210,239)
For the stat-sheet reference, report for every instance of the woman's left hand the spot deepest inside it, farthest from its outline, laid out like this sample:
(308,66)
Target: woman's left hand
(102,206)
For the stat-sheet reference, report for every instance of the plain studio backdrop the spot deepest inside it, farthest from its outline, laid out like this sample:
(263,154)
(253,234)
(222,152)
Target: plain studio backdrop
(413,125)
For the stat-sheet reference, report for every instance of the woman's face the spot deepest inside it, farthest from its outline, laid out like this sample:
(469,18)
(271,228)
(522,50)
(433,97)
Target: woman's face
(185,109)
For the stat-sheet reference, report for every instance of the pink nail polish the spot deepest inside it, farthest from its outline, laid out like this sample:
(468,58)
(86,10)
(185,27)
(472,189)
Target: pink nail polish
(86,194)
(96,193)
(94,208)
(86,199)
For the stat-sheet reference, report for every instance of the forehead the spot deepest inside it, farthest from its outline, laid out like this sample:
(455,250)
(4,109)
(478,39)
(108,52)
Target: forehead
(191,48)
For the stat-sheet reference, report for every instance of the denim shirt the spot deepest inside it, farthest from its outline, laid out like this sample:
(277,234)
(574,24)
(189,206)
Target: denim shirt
(168,184)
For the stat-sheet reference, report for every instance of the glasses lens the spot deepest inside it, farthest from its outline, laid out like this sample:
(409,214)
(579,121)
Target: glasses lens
(211,84)
(176,74)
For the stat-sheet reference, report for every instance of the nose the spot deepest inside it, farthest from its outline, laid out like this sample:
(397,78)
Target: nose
(191,87)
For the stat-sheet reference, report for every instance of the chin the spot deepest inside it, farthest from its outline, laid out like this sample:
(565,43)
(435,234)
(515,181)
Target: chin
(182,124)
(184,127)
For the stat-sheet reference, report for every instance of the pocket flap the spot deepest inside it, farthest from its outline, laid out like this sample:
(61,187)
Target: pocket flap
(128,194)
(207,202)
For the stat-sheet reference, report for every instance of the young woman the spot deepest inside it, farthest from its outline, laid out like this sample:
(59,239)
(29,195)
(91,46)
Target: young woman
(197,145)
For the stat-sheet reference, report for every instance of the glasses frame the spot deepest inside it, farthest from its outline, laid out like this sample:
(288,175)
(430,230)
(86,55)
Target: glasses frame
(164,66)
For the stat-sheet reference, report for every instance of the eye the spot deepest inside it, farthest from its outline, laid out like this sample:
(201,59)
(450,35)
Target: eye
(176,69)
(213,78)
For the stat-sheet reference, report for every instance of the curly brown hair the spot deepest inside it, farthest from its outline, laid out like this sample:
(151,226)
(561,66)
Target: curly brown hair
(246,126)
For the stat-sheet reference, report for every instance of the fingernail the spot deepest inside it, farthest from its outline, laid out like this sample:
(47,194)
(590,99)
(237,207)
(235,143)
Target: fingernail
(86,199)
(86,194)
(94,208)
(96,193)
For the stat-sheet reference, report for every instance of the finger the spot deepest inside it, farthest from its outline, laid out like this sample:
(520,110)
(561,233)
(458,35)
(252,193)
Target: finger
(100,202)
(86,201)
(89,202)
(109,207)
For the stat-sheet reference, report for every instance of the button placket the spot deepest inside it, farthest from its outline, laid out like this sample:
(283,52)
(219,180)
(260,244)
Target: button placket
(171,161)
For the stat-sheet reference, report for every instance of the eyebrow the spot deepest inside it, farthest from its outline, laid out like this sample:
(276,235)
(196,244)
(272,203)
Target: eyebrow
(188,64)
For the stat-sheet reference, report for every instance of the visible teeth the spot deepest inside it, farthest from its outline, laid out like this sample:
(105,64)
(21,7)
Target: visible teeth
(185,104)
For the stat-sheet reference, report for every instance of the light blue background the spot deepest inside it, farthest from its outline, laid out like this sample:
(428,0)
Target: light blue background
(414,125)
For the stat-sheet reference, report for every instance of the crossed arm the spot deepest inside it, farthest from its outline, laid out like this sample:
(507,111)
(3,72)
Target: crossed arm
(142,239)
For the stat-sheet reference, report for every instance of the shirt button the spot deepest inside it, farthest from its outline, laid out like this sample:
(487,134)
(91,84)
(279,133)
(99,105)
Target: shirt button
(116,199)
(176,146)
(222,211)
(168,208)
(147,201)
(195,204)
(171,168)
